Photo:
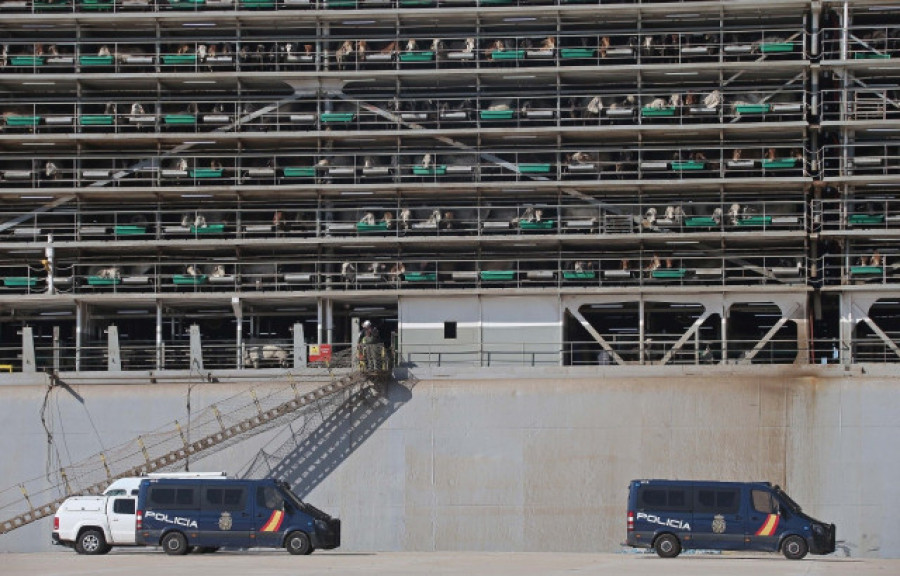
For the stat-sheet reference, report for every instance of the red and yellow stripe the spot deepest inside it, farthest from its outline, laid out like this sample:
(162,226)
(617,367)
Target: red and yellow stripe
(274,522)
(769,526)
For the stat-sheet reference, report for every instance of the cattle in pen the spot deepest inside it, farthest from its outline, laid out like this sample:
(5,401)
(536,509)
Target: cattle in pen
(674,213)
(257,355)
(110,273)
(348,271)
(344,52)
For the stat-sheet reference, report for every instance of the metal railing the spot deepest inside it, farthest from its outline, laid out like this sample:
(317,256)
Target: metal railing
(862,159)
(689,266)
(690,103)
(132,6)
(146,355)
(863,42)
(478,164)
(657,348)
(417,219)
(876,212)
(622,338)
(860,103)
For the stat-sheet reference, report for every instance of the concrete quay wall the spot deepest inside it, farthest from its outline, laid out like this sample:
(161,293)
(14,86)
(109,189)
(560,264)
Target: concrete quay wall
(523,459)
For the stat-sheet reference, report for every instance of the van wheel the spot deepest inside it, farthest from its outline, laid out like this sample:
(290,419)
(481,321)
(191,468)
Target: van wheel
(297,543)
(91,542)
(175,544)
(668,546)
(794,548)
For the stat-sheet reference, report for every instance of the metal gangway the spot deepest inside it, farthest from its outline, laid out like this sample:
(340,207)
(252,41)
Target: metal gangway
(212,429)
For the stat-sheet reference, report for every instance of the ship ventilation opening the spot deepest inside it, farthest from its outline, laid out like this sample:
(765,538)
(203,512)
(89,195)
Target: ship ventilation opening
(758,333)
(868,345)
(674,333)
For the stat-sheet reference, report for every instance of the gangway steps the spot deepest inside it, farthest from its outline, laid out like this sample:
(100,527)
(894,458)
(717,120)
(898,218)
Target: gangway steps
(254,423)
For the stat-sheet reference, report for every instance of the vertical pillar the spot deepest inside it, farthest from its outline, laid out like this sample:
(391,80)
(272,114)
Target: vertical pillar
(56,351)
(160,356)
(815,25)
(239,331)
(354,339)
(196,348)
(29,363)
(113,356)
(329,321)
(320,320)
(802,339)
(724,331)
(845,30)
(79,333)
(299,346)
(642,344)
(846,328)
(48,266)
(697,346)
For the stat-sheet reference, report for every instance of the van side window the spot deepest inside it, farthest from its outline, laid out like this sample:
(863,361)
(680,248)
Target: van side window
(172,497)
(224,498)
(662,499)
(763,502)
(723,501)
(123,506)
(269,498)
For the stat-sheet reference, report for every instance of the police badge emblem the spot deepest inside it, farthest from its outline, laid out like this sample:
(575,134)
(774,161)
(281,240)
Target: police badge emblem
(718,524)
(225,521)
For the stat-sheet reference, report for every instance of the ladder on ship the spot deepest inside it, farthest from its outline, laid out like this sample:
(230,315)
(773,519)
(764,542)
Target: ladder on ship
(263,413)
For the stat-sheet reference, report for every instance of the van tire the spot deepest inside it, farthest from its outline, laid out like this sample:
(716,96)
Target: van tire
(794,548)
(91,542)
(667,546)
(175,544)
(297,543)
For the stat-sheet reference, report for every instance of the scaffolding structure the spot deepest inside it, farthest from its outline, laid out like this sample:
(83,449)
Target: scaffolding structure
(275,162)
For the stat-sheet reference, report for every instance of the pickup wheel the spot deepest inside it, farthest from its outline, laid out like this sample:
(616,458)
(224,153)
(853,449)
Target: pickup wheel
(175,544)
(297,543)
(91,542)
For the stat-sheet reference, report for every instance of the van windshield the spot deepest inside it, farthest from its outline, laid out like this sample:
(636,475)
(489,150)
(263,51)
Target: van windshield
(787,500)
(300,504)
(288,495)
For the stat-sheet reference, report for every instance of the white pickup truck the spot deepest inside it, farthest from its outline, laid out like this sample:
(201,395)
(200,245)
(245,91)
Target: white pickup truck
(94,524)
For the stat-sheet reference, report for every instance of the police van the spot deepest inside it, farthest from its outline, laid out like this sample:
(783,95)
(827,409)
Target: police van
(672,515)
(181,514)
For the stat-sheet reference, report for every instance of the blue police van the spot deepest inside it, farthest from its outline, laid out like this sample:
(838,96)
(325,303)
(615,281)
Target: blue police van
(672,515)
(185,514)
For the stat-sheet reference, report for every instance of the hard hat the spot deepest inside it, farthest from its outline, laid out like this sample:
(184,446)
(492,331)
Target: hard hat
(366,324)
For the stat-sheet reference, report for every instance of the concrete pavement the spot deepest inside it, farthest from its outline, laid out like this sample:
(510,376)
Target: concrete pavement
(270,562)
